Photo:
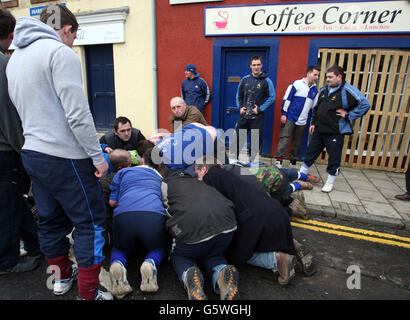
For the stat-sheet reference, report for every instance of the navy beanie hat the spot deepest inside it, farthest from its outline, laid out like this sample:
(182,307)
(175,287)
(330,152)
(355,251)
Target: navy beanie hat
(191,68)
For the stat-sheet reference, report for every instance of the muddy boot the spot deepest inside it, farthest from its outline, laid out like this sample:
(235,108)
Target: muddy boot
(194,284)
(304,259)
(286,263)
(227,281)
(298,205)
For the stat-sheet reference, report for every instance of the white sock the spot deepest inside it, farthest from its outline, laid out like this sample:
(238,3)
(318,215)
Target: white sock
(331,179)
(304,168)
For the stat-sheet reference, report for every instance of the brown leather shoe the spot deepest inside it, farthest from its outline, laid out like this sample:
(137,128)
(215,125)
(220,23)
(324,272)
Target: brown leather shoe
(405,197)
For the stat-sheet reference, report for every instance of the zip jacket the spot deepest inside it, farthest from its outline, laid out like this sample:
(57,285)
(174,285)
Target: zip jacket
(197,211)
(345,96)
(195,92)
(257,90)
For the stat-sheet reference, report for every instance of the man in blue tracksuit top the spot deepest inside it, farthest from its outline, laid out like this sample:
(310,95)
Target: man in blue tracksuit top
(255,94)
(338,104)
(194,89)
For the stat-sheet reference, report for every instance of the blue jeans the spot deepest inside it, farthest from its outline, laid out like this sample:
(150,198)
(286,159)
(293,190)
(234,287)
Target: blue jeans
(209,254)
(266,260)
(292,175)
(67,194)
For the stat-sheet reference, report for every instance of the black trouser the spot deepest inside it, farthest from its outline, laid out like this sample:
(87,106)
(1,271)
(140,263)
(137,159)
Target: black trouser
(333,145)
(16,220)
(248,125)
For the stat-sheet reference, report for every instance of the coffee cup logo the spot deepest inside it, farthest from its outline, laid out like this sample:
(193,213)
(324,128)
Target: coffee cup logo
(224,15)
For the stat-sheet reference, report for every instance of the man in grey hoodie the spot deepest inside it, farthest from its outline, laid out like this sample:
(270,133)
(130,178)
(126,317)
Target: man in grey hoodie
(61,152)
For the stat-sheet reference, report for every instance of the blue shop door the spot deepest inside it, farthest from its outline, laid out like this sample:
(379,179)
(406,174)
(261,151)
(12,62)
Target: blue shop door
(235,65)
(101,90)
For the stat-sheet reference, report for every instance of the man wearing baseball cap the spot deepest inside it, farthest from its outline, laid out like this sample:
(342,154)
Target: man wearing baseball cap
(194,89)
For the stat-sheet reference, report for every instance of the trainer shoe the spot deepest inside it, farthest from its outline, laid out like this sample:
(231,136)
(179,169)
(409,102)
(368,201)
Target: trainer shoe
(194,284)
(148,277)
(227,281)
(64,285)
(278,163)
(328,187)
(305,185)
(313,179)
(120,285)
(100,295)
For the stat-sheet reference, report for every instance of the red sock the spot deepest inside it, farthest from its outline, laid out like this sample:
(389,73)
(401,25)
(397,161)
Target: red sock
(88,281)
(64,264)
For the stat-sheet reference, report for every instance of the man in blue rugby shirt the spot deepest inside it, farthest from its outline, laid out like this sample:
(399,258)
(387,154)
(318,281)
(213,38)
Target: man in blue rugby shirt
(255,94)
(299,99)
(338,104)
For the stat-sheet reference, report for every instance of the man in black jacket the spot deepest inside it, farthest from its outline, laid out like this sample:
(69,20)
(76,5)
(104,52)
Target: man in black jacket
(123,136)
(338,104)
(202,223)
(14,181)
(264,235)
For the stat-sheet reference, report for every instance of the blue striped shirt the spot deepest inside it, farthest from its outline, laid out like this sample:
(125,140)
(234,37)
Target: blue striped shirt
(298,100)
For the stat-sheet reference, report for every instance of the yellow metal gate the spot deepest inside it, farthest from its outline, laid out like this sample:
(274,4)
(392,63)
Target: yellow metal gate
(381,138)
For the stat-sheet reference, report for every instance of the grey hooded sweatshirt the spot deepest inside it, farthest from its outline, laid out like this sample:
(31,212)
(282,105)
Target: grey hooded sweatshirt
(45,85)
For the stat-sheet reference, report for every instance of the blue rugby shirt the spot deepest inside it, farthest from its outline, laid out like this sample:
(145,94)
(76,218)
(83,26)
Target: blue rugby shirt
(298,100)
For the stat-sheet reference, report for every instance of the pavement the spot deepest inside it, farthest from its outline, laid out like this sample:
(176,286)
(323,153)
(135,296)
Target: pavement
(362,195)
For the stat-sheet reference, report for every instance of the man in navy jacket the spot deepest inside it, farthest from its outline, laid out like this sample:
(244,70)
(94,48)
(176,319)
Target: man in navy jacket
(194,89)
(255,94)
(338,104)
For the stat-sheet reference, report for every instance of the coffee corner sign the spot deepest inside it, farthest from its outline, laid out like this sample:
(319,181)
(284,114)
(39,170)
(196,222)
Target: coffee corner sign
(311,18)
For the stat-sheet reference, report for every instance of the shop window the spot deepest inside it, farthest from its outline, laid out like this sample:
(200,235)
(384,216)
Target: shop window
(9,3)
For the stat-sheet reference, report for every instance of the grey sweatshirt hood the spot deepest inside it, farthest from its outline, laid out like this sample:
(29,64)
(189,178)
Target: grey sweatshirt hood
(45,85)
(29,30)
